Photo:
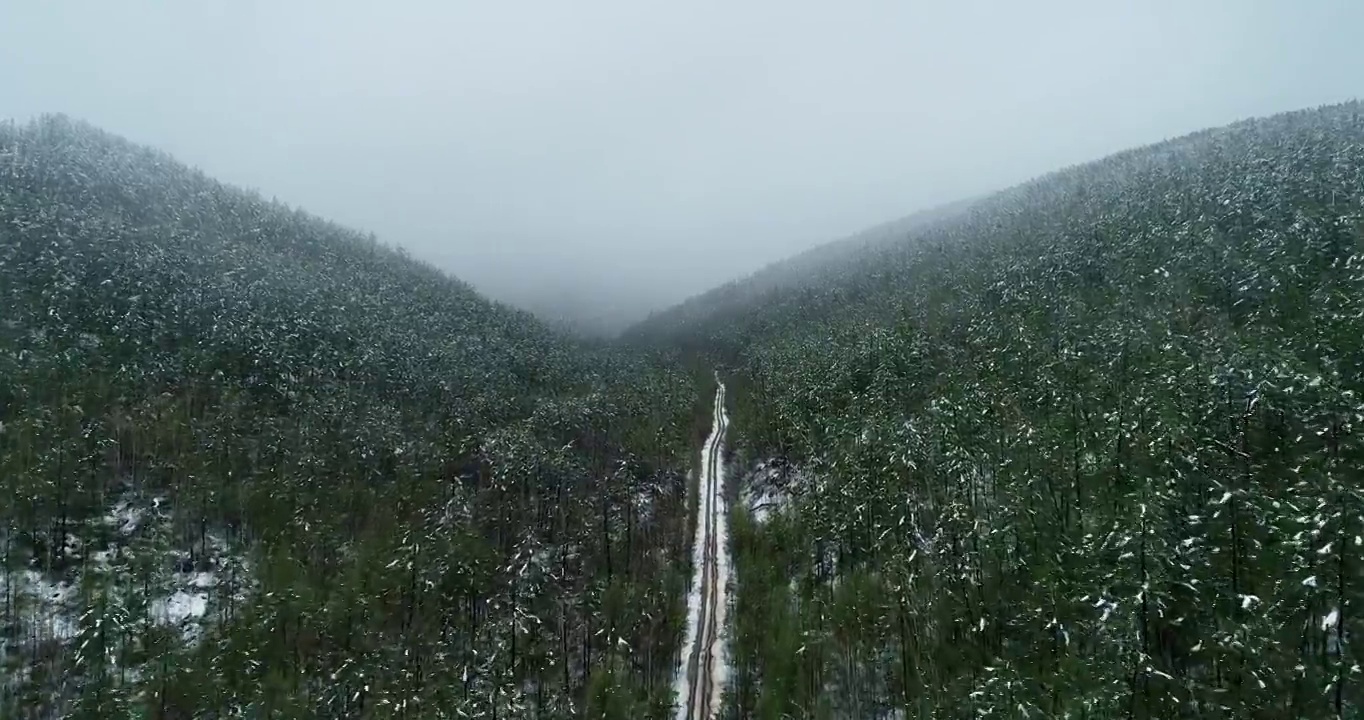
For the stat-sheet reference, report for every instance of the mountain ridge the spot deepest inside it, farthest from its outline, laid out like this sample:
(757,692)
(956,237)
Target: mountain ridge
(843,254)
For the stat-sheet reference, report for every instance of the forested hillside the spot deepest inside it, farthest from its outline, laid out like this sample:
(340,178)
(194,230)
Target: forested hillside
(683,326)
(257,465)
(1090,448)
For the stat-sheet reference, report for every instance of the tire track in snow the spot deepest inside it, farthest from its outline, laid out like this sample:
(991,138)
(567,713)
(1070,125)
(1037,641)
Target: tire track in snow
(705,665)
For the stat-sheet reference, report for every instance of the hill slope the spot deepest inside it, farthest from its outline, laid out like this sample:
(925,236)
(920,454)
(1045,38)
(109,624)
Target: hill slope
(1090,447)
(255,463)
(734,299)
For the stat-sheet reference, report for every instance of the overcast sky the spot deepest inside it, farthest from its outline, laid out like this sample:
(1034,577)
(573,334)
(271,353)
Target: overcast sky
(635,152)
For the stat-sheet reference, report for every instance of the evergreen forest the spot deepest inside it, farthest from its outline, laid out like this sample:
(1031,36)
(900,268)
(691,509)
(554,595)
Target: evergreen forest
(257,465)
(1089,447)
(1092,447)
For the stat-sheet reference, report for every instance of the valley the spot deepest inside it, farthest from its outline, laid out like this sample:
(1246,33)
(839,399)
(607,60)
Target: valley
(1086,447)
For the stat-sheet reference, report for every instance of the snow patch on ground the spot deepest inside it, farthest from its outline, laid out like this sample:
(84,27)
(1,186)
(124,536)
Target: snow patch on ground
(43,612)
(187,605)
(770,487)
(124,516)
(47,606)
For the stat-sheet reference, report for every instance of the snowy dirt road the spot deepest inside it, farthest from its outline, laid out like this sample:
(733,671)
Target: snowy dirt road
(704,664)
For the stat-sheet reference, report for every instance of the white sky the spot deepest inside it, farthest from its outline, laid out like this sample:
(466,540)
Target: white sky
(623,155)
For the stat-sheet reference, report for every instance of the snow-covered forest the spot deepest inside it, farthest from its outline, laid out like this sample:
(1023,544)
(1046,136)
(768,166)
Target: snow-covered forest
(257,465)
(1091,447)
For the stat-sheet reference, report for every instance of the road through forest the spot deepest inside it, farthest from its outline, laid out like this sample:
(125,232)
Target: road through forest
(704,664)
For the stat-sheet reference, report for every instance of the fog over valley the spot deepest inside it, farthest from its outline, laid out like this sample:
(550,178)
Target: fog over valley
(598,157)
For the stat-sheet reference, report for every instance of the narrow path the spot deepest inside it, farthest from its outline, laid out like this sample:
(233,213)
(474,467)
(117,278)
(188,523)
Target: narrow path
(705,666)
